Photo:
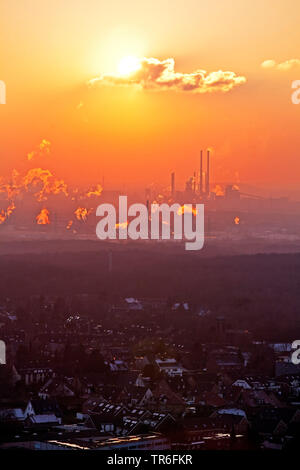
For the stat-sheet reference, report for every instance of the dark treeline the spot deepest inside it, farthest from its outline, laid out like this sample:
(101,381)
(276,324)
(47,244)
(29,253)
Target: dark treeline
(259,291)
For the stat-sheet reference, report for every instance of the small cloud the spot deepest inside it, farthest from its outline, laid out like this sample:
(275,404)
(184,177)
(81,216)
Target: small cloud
(286,65)
(268,64)
(155,74)
(42,150)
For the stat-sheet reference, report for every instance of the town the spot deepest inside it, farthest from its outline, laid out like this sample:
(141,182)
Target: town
(88,373)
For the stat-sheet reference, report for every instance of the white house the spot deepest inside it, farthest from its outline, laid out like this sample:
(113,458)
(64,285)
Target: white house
(170,367)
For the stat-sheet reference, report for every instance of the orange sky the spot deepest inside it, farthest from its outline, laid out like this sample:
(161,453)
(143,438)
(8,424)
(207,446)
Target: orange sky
(50,49)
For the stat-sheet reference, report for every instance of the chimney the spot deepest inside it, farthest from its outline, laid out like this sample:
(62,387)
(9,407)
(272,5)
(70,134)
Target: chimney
(173,183)
(201,174)
(207,174)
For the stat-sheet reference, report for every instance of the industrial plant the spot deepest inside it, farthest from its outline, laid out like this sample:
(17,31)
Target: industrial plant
(39,204)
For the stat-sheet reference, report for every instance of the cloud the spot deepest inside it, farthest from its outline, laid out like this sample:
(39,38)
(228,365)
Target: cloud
(286,65)
(42,150)
(155,74)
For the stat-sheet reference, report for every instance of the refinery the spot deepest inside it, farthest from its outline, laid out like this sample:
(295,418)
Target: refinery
(38,203)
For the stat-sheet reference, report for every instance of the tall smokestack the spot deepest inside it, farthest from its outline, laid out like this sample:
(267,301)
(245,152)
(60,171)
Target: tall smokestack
(201,174)
(207,174)
(173,183)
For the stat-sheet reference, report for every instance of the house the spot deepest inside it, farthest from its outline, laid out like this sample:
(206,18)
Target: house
(37,407)
(42,421)
(121,379)
(135,396)
(35,375)
(108,408)
(117,365)
(166,399)
(106,423)
(89,404)
(142,421)
(133,304)
(159,422)
(141,381)
(231,419)
(42,413)
(212,399)
(225,360)
(153,441)
(132,421)
(218,432)
(294,386)
(12,412)
(242,384)
(105,416)
(286,368)
(271,422)
(56,387)
(259,398)
(169,367)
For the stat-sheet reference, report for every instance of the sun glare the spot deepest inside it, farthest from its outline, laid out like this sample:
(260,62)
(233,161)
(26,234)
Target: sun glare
(129,65)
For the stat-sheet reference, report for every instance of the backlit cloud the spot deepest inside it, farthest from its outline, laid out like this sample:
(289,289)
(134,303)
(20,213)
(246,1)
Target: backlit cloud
(158,74)
(286,65)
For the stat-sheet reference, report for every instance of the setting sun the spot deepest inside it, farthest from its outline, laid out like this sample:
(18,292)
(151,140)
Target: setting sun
(128,65)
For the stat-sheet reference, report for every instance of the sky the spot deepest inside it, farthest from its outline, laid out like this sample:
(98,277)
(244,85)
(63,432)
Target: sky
(60,61)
